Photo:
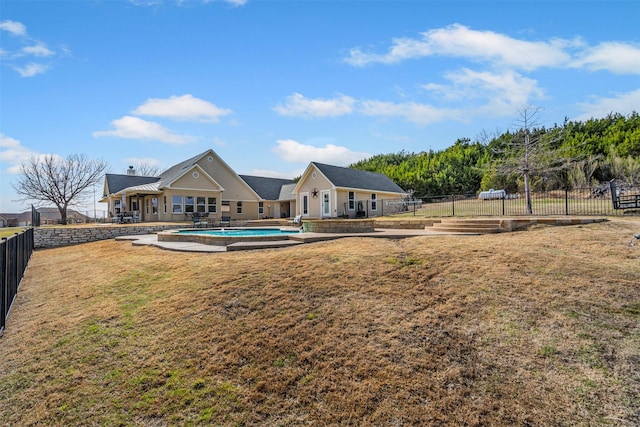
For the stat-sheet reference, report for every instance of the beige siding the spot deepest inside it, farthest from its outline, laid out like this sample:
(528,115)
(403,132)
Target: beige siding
(234,187)
(320,183)
(365,198)
(195,180)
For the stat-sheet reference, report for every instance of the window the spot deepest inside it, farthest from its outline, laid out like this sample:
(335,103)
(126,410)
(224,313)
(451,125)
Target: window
(239,207)
(226,206)
(134,205)
(117,206)
(200,204)
(189,204)
(261,207)
(154,205)
(212,205)
(176,204)
(374,202)
(146,206)
(305,204)
(352,200)
(165,204)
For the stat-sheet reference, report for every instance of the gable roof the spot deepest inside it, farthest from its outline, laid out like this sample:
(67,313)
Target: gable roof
(266,188)
(286,192)
(357,179)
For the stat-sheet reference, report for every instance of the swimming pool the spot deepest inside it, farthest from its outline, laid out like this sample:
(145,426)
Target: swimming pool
(227,236)
(242,232)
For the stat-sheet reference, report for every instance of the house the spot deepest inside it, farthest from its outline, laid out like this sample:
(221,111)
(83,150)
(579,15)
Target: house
(326,191)
(205,184)
(48,216)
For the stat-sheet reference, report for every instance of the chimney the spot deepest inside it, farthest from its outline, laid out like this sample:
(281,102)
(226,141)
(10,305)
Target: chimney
(131,171)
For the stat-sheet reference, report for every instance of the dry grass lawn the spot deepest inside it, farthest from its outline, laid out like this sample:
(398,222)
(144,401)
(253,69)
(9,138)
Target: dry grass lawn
(540,327)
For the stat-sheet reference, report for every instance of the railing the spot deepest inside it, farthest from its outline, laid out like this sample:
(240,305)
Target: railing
(579,201)
(15,253)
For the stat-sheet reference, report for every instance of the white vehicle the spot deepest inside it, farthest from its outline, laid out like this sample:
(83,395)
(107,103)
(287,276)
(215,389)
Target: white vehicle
(492,194)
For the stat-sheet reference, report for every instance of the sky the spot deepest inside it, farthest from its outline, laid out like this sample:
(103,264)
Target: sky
(273,85)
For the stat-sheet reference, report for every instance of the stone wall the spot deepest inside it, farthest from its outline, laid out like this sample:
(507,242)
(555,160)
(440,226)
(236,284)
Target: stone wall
(53,237)
(338,225)
(406,223)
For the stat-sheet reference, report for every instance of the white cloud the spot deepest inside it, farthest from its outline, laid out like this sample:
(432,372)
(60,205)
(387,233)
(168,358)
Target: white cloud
(619,58)
(294,152)
(495,94)
(24,47)
(38,49)
(624,103)
(184,107)
(13,27)
(31,69)
(136,128)
(299,106)
(13,153)
(420,114)
(462,42)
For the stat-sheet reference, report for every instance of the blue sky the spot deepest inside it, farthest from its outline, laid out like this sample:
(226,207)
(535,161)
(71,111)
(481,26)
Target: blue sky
(273,85)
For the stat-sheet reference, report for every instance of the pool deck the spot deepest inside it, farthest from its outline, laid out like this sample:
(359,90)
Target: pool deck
(502,224)
(297,239)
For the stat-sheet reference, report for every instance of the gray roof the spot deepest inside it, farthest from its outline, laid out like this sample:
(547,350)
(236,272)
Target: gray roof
(358,179)
(266,188)
(116,182)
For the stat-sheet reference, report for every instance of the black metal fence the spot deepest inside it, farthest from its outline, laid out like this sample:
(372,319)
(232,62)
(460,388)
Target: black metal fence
(579,201)
(15,253)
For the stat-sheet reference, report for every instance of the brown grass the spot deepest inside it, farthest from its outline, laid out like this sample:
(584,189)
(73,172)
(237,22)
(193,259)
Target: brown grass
(531,328)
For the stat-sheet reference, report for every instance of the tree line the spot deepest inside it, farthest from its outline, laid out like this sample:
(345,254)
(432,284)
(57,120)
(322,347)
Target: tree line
(572,155)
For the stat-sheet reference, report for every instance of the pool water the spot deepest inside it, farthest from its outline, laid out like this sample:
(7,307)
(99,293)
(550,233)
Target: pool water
(241,232)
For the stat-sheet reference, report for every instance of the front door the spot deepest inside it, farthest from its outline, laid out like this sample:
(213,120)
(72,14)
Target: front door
(326,204)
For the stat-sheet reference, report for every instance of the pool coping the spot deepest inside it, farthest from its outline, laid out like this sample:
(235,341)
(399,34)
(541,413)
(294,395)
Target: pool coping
(293,240)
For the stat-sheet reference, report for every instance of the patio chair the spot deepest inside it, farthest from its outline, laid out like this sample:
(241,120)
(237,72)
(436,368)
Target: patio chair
(225,221)
(296,221)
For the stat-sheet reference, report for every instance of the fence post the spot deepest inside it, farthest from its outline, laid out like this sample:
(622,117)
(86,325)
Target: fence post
(566,201)
(453,205)
(3,284)
(503,205)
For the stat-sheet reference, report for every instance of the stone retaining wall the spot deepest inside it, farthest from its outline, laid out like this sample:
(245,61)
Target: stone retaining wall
(408,223)
(338,225)
(54,237)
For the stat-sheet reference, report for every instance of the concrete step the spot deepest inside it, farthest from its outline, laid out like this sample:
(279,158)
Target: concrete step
(465,225)
(467,230)
(475,226)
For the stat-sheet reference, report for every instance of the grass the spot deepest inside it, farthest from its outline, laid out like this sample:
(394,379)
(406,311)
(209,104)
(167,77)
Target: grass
(529,328)
(10,231)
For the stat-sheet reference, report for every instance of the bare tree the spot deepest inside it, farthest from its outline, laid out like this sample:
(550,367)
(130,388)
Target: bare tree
(531,151)
(145,169)
(63,182)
